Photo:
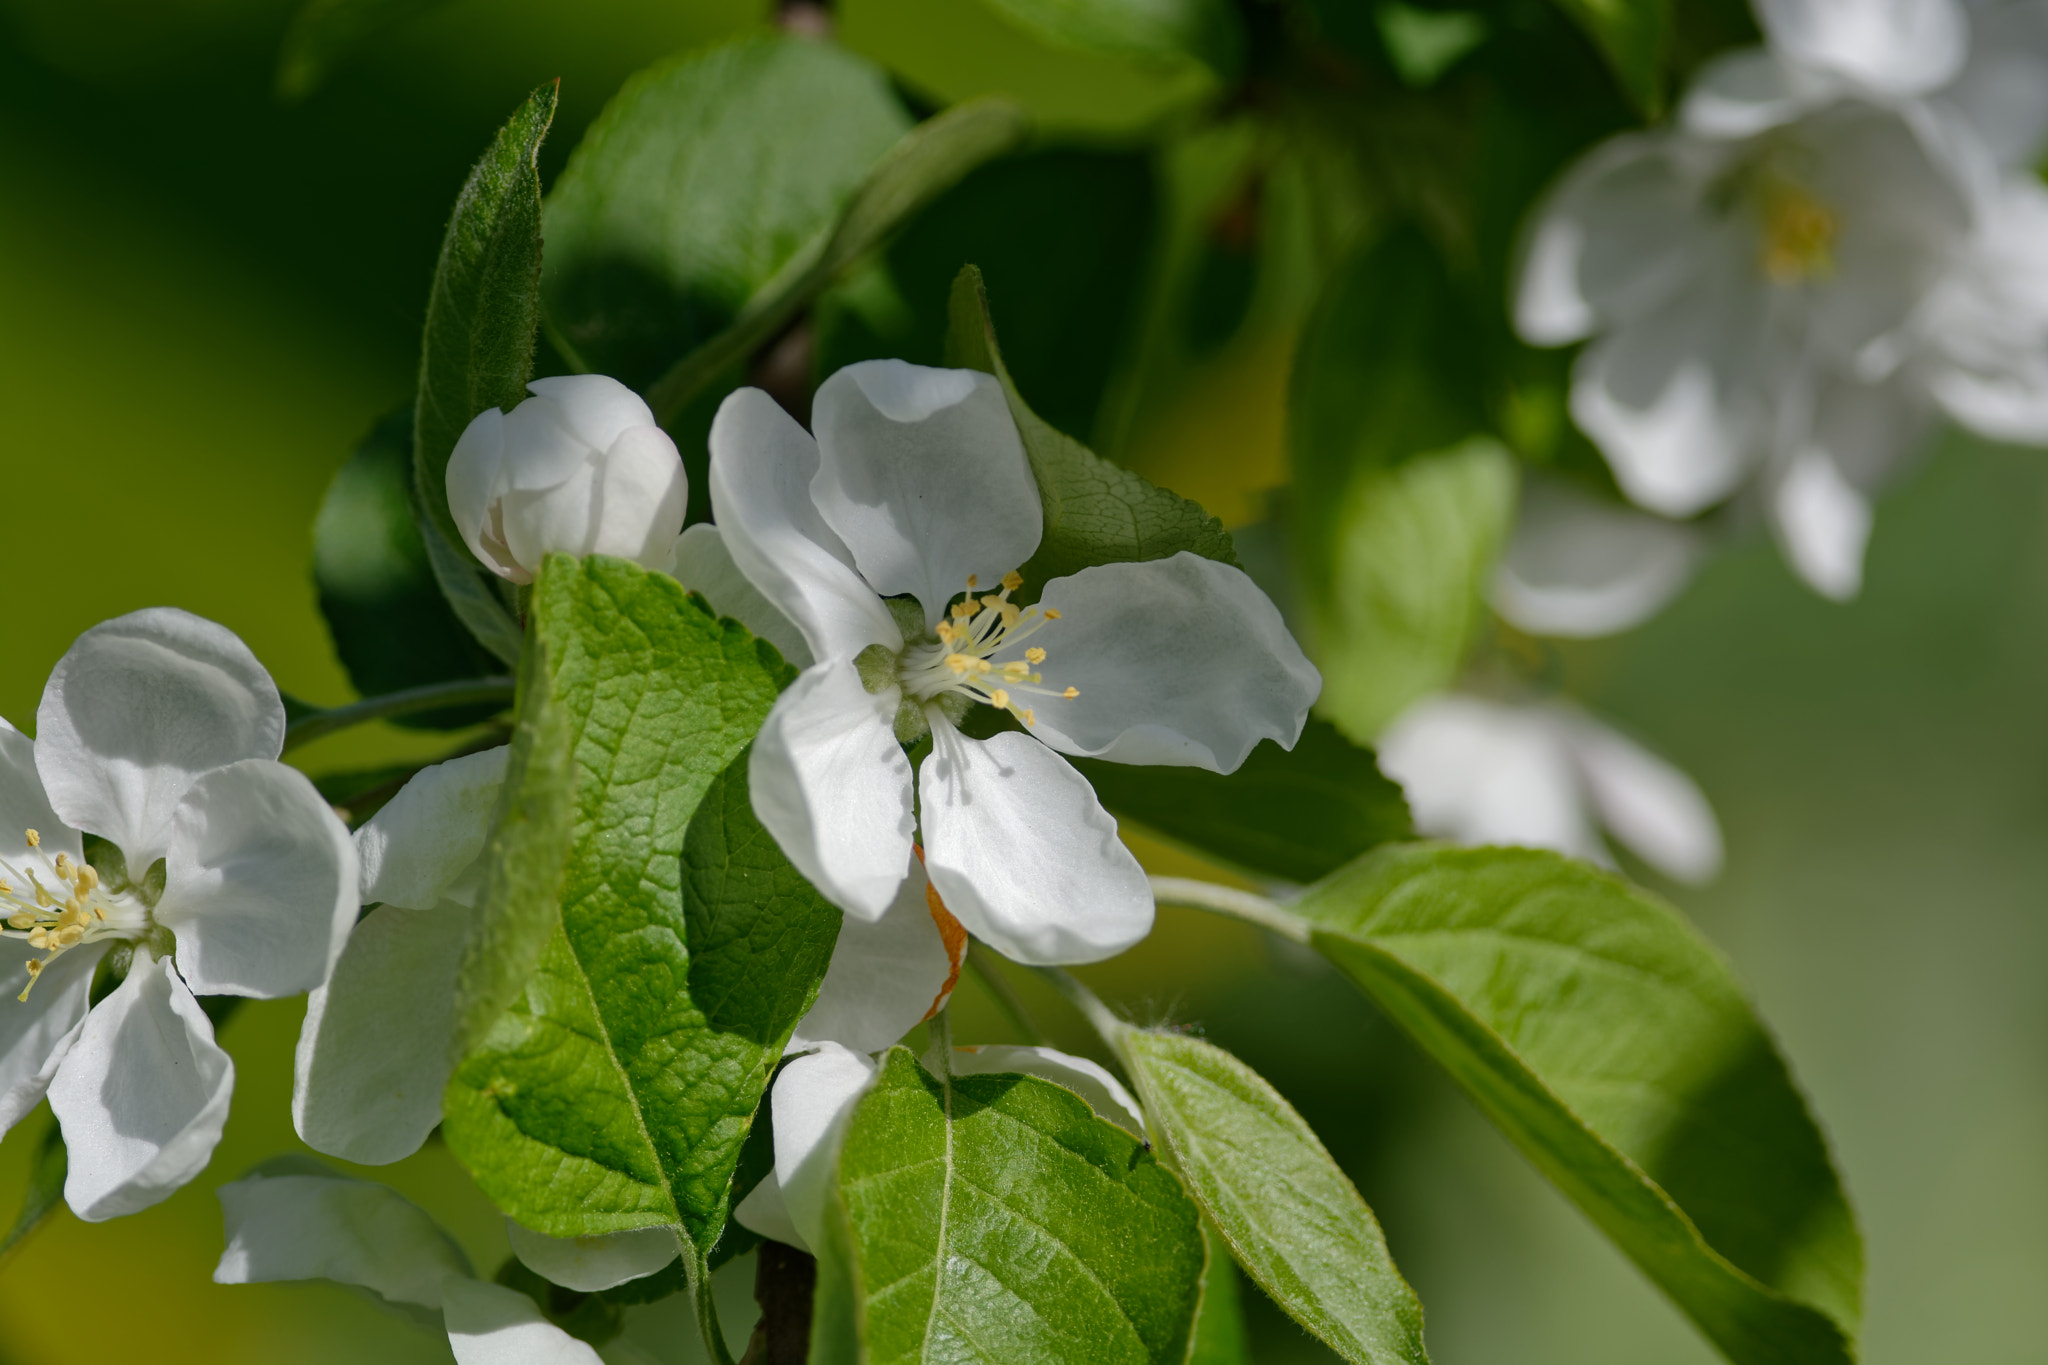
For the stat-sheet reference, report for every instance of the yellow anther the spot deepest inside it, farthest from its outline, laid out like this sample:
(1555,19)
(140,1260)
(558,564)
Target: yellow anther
(21,919)
(1035,654)
(992,603)
(973,581)
(68,938)
(1011,614)
(1030,716)
(35,969)
(1016,670)
(1052,613)
(39,937)
(68,918)
(99,912)
(958,662)
(64,866)
(1012,581)
(35,840)
(1071,693)
(963,610)
(999,699)
(43,897)
(89,876)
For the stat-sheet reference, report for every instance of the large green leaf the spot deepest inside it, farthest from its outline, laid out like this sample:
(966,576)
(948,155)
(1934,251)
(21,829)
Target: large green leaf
(618,1088)
(1634,36)
(392,627)
(703,179)
(1292,1219)
(1095,512)
(996,1219)
(929,159)
(1294,815)
(484,307)
(1615,1049)
(1152,31)
(1219,1323)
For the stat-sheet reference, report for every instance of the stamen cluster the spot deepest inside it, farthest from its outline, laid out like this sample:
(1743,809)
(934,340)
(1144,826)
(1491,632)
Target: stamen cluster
(962,663)
(52,919)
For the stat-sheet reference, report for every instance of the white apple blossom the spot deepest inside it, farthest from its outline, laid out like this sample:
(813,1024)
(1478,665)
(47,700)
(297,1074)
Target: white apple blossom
(221,871)
(1542,775)
(295,1220)
(915,492)
(814,1098)
(1579,566)
(579,468)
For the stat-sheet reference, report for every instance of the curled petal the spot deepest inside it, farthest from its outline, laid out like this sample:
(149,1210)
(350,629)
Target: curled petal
(475,484)
(1890,47)
(142,1096)
(306,1226)
(1580,566)
(813,1097)
(886,976)
(373,1054)
(762,464)
(1178,661)
(489,1324)
(1104,1093)
(1741,94)
(423,846)
(588,1264)
(1024,854)
(594,409)
(701,563)
(36,1033)
(830,782)
(922,474)
(260,883)
(136,710)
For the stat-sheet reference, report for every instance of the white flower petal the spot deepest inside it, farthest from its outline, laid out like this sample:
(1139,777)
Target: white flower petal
(260,882)
(24,806)
(1023,853)
(328,1227)
(1670,398)
(1104,1093)
(924,477)
(588,1264)
(1178,661)
(2003,89)
(644,497)
(1988,320)
(762,463)
(701,563)
(142,1096)
(1620,233)
(766,1212)
(489,1324)
(475,479)
(424,846)
(886,976)
(36,1033)
(373,1054)
(1647,803)
(1740,94)
(1822,525)
(812,1100)
(594,408)
(138,708)
(830,782)
(1479,772)
(1890,47)
(1579,566)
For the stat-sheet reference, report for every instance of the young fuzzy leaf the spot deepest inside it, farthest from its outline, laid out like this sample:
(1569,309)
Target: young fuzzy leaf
(1095,512)
(1296,815)
(618,1088)
(996,1219)
(484,307)
(1292,1219)
(1613,1046)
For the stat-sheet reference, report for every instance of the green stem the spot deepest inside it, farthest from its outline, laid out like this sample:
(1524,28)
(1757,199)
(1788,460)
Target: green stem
(1228,900)
(979,962)
(409,702)
(942,1040)
(703,1302)
(1081,998)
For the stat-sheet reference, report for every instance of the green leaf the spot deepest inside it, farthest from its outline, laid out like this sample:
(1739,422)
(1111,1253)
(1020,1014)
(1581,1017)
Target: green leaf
(1634,36)
(391,626)
(1219,1322)
(45,1191)
(1095,512)
(997,1219)
(466,588)
(1615,1049)
(1151,31)
(325,31)
(1294,815)
(929,159)
(704,178)
(1292,1219)
(484,307)
(618,1089)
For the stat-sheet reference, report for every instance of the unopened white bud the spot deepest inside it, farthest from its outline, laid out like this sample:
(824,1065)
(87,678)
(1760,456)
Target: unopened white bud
(580,468)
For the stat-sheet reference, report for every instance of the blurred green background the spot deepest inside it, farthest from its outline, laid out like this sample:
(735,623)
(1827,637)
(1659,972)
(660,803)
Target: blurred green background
(208,297)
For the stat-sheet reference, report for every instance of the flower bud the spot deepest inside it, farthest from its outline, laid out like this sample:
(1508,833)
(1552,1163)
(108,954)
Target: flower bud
(580,468)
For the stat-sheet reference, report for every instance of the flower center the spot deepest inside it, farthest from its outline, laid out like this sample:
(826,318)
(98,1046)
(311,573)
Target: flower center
(57,904)
(1799,231)
(960,667)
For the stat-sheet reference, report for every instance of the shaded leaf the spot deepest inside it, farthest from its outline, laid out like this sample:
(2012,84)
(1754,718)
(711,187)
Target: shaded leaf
(618,1089)
(467,589)
(1292,1219)
(44,1192)
(484,306)
(1095,512)
(995,1218)
(1294,815)
(1613,1046)
(1154,31)
(1219,1323)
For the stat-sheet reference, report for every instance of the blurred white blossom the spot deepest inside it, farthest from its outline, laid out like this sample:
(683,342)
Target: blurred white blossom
(580,468)
(1546,775)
